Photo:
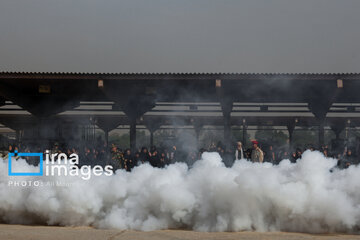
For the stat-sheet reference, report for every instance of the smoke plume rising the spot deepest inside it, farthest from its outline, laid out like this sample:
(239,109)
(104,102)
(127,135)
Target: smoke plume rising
(309,196)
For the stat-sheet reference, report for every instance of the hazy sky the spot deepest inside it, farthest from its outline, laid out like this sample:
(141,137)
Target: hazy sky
(180,35)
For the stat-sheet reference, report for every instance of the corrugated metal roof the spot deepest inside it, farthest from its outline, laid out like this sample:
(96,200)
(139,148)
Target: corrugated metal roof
(179,76)
(170,73)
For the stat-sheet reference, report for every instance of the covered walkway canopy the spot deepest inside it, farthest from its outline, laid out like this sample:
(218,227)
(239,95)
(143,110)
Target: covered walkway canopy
(197,99)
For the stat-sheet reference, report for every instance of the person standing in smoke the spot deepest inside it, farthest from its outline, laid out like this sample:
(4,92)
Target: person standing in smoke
(248,154)
(87,157)
(201,151)
(11,149)
(56,148)
(128,160)
(95,158)
(136,159)
(163,160)
(270,155)
(144,155)
(173,154)
(349,158)
(298,153)
(293,157)
(212,147)
(257,154)
(154,159)
(326,152)
(102,156)
(116,157)
(239,152)
(192,157)
(283,154)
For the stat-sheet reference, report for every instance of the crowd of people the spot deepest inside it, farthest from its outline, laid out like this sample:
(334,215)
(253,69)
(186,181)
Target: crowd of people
(275,154)
(100,154)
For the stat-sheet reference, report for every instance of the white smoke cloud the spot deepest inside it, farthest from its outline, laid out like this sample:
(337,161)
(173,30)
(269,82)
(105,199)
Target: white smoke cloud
(305,197)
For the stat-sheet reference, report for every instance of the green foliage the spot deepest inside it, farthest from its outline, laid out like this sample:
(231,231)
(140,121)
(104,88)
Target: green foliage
(304,138)
(210,136)
(238,136)
(269,136)
(164,136)
(123,140)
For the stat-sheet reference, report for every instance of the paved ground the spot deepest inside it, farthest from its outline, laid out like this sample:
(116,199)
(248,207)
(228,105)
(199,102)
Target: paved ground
(19,232)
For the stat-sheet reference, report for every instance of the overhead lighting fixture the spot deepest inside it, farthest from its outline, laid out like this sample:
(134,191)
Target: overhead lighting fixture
(100,83)
(44,89)
(218,83)
(340,83)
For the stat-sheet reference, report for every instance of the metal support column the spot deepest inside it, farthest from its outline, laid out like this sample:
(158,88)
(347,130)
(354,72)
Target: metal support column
(321,134)
(291,127)
(133,135)
(244,132)
(151,138)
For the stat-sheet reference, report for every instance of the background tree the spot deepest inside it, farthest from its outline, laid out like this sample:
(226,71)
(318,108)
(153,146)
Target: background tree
(123,140)
(269,136)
